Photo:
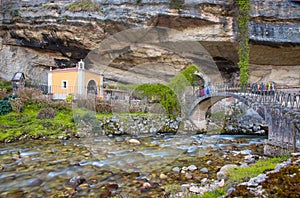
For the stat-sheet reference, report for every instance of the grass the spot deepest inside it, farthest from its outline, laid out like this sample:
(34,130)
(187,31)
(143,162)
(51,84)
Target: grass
(83,4)
(211,194)
(237,175)
(15,125)
(5,85)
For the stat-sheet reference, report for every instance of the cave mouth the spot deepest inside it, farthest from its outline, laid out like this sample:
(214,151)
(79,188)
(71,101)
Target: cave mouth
(227,67)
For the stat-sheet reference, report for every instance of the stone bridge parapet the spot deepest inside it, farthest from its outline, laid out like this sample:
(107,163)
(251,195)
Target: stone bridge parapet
(280,110)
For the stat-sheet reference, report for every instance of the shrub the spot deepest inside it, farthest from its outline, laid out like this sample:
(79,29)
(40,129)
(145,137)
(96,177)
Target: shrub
(10,96)
(102,106)
(29,95)
(46,113)
(3,93)
(16,104)
(161,93)
(42,101)
(5,107)
(69,98)
(60,105)
(86,103)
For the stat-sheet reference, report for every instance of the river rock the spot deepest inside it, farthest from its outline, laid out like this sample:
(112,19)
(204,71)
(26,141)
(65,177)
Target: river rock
(196,189)
(230,190)
(34,182)
(192,168)
(222,174)
(221,183)
(133,141)
(204,170)
(209,162)
(176,169)
(188,175)
(163,176)
(146,185)
(204,180)
(246,152)
(119,139)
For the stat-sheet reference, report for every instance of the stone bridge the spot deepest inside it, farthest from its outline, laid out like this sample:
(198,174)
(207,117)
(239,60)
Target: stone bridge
(280,110)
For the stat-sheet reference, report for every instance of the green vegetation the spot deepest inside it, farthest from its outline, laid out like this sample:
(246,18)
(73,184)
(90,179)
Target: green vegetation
(32,115)
(69,98)
(5,107)
(243,20)
(161,93)
(189,74)
(6,85)
(15,125)
(169,96)
(211,194)
(237,175)
(83,5)
(176,4)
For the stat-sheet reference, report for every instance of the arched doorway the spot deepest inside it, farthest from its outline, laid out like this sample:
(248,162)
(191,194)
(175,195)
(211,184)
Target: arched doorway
(92,87)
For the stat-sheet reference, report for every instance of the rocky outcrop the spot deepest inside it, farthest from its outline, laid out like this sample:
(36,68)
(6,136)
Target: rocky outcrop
(38,34)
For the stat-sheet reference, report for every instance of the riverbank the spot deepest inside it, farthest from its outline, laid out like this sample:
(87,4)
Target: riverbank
(141,165)
(196,162)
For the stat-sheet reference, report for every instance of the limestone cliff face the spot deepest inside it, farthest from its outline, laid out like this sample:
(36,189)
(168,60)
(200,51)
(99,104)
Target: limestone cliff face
(36,35)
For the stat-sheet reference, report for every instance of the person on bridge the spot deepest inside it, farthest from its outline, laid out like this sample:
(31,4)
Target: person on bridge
(254,88)
(273,88)
(207,91)
(262,87)
(201,92)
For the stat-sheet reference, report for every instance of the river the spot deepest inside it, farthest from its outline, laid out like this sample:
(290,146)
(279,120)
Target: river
(126,166)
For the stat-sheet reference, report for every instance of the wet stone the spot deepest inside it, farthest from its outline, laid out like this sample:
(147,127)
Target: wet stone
(163,176)
(204,170)
(192,168)
(188,175)
(34,182)
(176,169)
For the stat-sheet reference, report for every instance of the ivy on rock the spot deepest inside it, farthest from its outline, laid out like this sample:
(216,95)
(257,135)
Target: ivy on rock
(243,21)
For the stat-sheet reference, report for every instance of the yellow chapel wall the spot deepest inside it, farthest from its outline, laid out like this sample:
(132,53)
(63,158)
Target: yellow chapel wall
(60,76)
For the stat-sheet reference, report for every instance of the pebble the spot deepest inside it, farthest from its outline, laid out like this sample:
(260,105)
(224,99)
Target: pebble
(192,168)
(246,152)
(188,175)
(146,185)
(196,189)
(184,168)
(295,154)
(221,183)
(133,141)
(34,182)
(222,173)
(204,180)
(204,170)
(84,185)
(176,169)
(163,176)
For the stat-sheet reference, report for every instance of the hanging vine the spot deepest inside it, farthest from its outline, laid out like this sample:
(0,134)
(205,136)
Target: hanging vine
(243,21)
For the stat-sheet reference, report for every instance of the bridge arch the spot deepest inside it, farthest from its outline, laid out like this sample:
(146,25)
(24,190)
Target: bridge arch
(199,108)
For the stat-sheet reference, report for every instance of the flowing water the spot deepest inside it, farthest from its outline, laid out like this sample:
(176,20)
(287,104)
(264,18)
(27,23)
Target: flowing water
(115,167)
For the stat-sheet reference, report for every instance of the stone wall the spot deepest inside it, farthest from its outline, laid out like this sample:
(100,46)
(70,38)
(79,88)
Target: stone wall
(47,33)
